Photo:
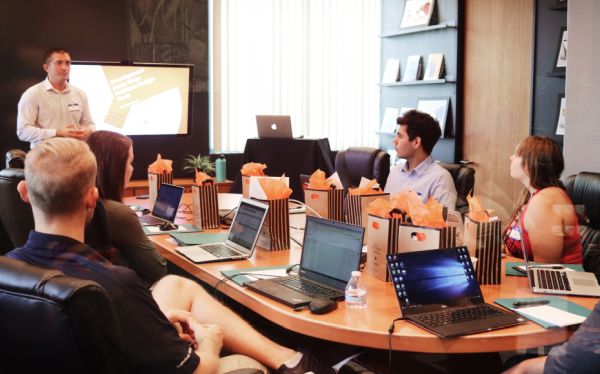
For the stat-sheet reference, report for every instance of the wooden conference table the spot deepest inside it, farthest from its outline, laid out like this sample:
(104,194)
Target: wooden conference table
(369,327)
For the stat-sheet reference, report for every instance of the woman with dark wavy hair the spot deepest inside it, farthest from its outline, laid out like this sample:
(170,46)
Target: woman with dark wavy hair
(546,219)
(132,248)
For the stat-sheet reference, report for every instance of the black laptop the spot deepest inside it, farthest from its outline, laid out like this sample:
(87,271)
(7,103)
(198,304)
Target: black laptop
(165,207)
(331,251)
(438,290)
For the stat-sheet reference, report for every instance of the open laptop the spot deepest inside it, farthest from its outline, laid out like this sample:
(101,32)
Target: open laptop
(438,291)
(241,239)
(165,207)
(272,126)
(331,251)
(559,282)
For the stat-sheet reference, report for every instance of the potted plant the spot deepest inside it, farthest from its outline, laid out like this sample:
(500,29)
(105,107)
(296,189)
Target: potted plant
(201,163)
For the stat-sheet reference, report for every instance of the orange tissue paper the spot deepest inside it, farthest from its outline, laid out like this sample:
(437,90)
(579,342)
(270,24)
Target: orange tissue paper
(366,189)
(253,169)
(201,177)
(476,211)
(317,181)
(160,166)
(381,208)
(275,189)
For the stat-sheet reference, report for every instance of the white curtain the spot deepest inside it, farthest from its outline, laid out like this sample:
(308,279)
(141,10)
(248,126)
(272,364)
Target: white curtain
(316,60)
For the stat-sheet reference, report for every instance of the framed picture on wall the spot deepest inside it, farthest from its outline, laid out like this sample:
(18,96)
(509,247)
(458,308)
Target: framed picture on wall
(561,114)
(560,62)
(437,107)
(417,13)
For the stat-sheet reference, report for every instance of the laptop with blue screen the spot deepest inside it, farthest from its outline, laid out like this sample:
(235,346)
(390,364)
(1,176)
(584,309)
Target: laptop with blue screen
(438,291)
(165,207)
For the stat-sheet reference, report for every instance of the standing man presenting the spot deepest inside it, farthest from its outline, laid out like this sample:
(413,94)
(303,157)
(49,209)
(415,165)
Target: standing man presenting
(54,107)
(417,135)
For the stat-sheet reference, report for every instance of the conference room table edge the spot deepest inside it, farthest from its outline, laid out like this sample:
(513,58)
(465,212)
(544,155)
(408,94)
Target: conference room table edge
(367,327)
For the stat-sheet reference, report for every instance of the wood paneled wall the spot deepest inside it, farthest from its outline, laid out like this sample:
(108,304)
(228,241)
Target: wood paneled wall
(497,94)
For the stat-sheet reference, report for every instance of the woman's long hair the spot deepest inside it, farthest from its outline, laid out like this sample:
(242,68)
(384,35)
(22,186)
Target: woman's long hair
(112,151)
(543,161)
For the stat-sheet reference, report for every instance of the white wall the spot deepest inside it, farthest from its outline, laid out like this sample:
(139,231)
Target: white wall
(582,129)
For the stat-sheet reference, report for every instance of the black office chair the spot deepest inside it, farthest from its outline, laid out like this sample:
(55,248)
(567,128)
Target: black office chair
(54,323)
(15,158)
(16,217)
(464,182)
(357,162)
(584,190)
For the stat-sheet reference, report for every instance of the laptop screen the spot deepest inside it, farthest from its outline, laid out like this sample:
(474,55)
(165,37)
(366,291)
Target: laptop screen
(331,251)
(247,223)
(430,280)
(167,202)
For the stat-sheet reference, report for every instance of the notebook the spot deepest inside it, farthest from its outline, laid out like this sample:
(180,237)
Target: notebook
(556,281)
(271,126)
(241,239)
(165,207)
(331,251)
(438,291)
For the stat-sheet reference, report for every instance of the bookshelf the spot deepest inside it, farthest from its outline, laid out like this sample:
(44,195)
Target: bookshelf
(548,84)
(443,34)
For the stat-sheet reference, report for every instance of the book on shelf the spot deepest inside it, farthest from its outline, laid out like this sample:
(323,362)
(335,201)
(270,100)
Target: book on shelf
(388,123)
(417,13)
(414,67)
(391,73)
(435,66)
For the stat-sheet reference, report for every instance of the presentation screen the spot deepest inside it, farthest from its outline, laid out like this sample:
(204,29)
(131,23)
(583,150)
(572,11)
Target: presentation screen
(137,99)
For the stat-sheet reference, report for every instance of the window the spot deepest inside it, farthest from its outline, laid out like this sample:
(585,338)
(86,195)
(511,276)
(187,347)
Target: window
(316,60)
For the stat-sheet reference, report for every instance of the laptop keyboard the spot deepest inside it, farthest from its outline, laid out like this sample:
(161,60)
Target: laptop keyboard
(453,316)
(553,280)
(308,288)
(220,250)
(151,220)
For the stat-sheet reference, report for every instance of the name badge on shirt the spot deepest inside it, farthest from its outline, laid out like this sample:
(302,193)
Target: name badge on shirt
(514,234)
(73,107)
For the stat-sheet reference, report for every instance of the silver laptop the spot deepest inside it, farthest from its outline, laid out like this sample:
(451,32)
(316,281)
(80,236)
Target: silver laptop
(241,239)
(271,126)
(165,207)
(331,251)
(559,282)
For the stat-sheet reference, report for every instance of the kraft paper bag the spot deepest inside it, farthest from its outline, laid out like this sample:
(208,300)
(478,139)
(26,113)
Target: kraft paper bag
(154,182)
(327,203)
(483,239)
(383,239)
(419,238)
(205,205)
(275,233)
(357,209)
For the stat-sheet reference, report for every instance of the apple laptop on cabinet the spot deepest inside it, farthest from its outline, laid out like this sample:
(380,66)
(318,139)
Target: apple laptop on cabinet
(331,251)
(241,239)
(165,207)
(438,291)
(274,126)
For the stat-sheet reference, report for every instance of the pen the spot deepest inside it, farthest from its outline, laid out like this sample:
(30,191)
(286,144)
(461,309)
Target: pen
(547,266)
(523,304)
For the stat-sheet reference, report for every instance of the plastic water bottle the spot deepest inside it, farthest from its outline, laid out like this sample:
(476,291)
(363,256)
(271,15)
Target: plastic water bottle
(356,294)
(220,165)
